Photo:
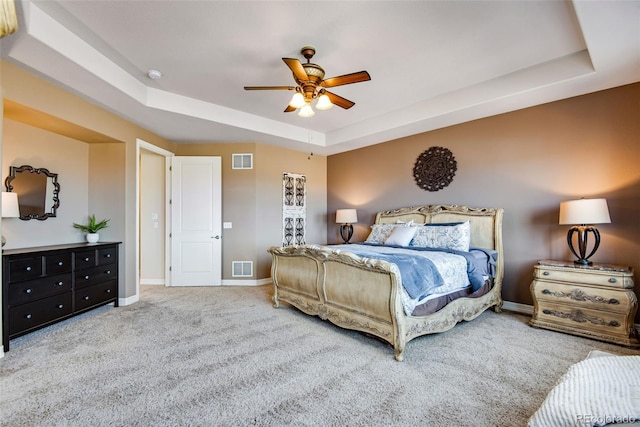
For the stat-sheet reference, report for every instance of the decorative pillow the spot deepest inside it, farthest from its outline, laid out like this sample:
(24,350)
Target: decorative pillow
(455,237)
(401,235)
(379,233)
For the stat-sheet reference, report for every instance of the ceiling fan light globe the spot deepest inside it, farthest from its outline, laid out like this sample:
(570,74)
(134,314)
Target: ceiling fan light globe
(306,111)
(324,103)
(297,101)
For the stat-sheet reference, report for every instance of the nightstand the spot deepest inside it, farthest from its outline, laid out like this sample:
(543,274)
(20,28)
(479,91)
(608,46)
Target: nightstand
(594,301)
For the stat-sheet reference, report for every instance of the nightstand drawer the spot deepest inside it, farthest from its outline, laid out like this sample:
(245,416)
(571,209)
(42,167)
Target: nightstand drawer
(589,297)
(579,320)
(610,279)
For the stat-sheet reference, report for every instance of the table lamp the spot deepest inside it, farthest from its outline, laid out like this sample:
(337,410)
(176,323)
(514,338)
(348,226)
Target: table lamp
(582,214)
(346,217)
(10,208)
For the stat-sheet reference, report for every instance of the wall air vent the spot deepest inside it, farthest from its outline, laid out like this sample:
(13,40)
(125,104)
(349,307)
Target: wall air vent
(242,269)
(242,161)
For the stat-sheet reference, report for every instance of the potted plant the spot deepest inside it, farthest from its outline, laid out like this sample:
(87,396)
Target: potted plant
(92,228)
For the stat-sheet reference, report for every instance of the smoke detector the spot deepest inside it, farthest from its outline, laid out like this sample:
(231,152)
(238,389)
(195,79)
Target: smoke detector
(154,74)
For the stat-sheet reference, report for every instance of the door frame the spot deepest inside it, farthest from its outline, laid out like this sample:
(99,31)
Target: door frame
(143,145)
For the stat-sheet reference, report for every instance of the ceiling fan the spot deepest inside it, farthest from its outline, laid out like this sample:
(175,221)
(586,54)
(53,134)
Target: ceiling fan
(312,85)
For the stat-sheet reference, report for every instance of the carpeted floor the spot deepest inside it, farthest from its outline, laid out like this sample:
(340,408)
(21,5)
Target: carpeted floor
(225,357)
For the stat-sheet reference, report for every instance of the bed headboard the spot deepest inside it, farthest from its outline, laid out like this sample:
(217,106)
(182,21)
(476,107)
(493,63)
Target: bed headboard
(486,223)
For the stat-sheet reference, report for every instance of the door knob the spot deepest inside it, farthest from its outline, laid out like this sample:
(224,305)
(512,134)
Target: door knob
(215,237)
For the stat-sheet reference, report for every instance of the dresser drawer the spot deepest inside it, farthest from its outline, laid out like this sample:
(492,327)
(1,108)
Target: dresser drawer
(578,296)
(22,292)
(25,269)
(35,314)
(58,263)
(85,259)
(601,278)
(95,275)
(94,295)
(106,256)
(584,320)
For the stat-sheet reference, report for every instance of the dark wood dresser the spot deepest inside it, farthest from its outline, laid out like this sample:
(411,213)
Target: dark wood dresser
(44,285)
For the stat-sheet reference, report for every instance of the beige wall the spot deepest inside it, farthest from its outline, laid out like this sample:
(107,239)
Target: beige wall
(28,145)
(111,167)
(526,162)
(252,200)
(152,231)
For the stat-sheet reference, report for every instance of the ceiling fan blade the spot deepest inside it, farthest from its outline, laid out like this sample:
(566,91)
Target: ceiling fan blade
(339,101)
(289,109)
(360,76)
(297,68)
(269,88)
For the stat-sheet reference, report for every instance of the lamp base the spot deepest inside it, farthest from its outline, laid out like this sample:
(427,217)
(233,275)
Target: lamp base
(581,254)
(346,232)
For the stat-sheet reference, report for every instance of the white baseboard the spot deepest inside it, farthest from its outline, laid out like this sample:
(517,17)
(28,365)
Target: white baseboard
(128,301)
(258,282)
(152,282)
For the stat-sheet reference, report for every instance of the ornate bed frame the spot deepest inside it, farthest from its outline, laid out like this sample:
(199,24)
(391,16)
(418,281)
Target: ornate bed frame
(364,294)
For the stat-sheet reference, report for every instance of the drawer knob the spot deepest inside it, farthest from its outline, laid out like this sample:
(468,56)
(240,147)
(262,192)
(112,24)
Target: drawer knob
(29,268)
(60,263)
(108,291)
(86,277)
(546,291)
(108,271)
(59,283)
(614,301)
(28,290)
(28,316)
(614,323)
(546,273)
(86,259)
(108,255)
(612,280)
(86,298)
(60,306)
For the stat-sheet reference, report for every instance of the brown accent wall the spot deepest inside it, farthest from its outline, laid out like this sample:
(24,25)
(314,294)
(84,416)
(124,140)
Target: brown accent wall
(526,162)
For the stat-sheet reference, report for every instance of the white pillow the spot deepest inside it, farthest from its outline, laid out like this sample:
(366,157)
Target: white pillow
(451,236)
(401,236)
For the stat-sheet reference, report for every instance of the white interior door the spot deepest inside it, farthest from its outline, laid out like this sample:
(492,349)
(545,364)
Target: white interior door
(196,221)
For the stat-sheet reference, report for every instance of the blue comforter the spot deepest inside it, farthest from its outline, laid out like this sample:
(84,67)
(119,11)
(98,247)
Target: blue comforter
(420,277)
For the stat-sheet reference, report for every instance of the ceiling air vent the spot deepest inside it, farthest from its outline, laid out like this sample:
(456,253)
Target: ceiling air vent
(242,161)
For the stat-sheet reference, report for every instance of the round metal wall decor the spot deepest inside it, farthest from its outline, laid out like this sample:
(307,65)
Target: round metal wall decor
(434,169)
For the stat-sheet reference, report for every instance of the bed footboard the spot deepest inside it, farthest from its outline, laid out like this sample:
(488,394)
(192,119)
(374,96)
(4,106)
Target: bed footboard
(313,278)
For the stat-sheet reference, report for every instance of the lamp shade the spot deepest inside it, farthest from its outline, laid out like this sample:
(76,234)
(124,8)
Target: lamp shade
(346,216)
(10,208)
(324,103)
(584,211)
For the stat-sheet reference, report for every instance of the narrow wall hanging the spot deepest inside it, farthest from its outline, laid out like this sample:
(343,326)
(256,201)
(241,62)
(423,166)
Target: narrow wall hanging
(434,169)
(294,209)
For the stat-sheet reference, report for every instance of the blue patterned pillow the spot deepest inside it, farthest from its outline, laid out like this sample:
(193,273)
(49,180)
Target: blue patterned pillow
(456,237)
(380,233)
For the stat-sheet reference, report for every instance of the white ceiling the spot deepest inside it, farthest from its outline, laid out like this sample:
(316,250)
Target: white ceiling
(432,63)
